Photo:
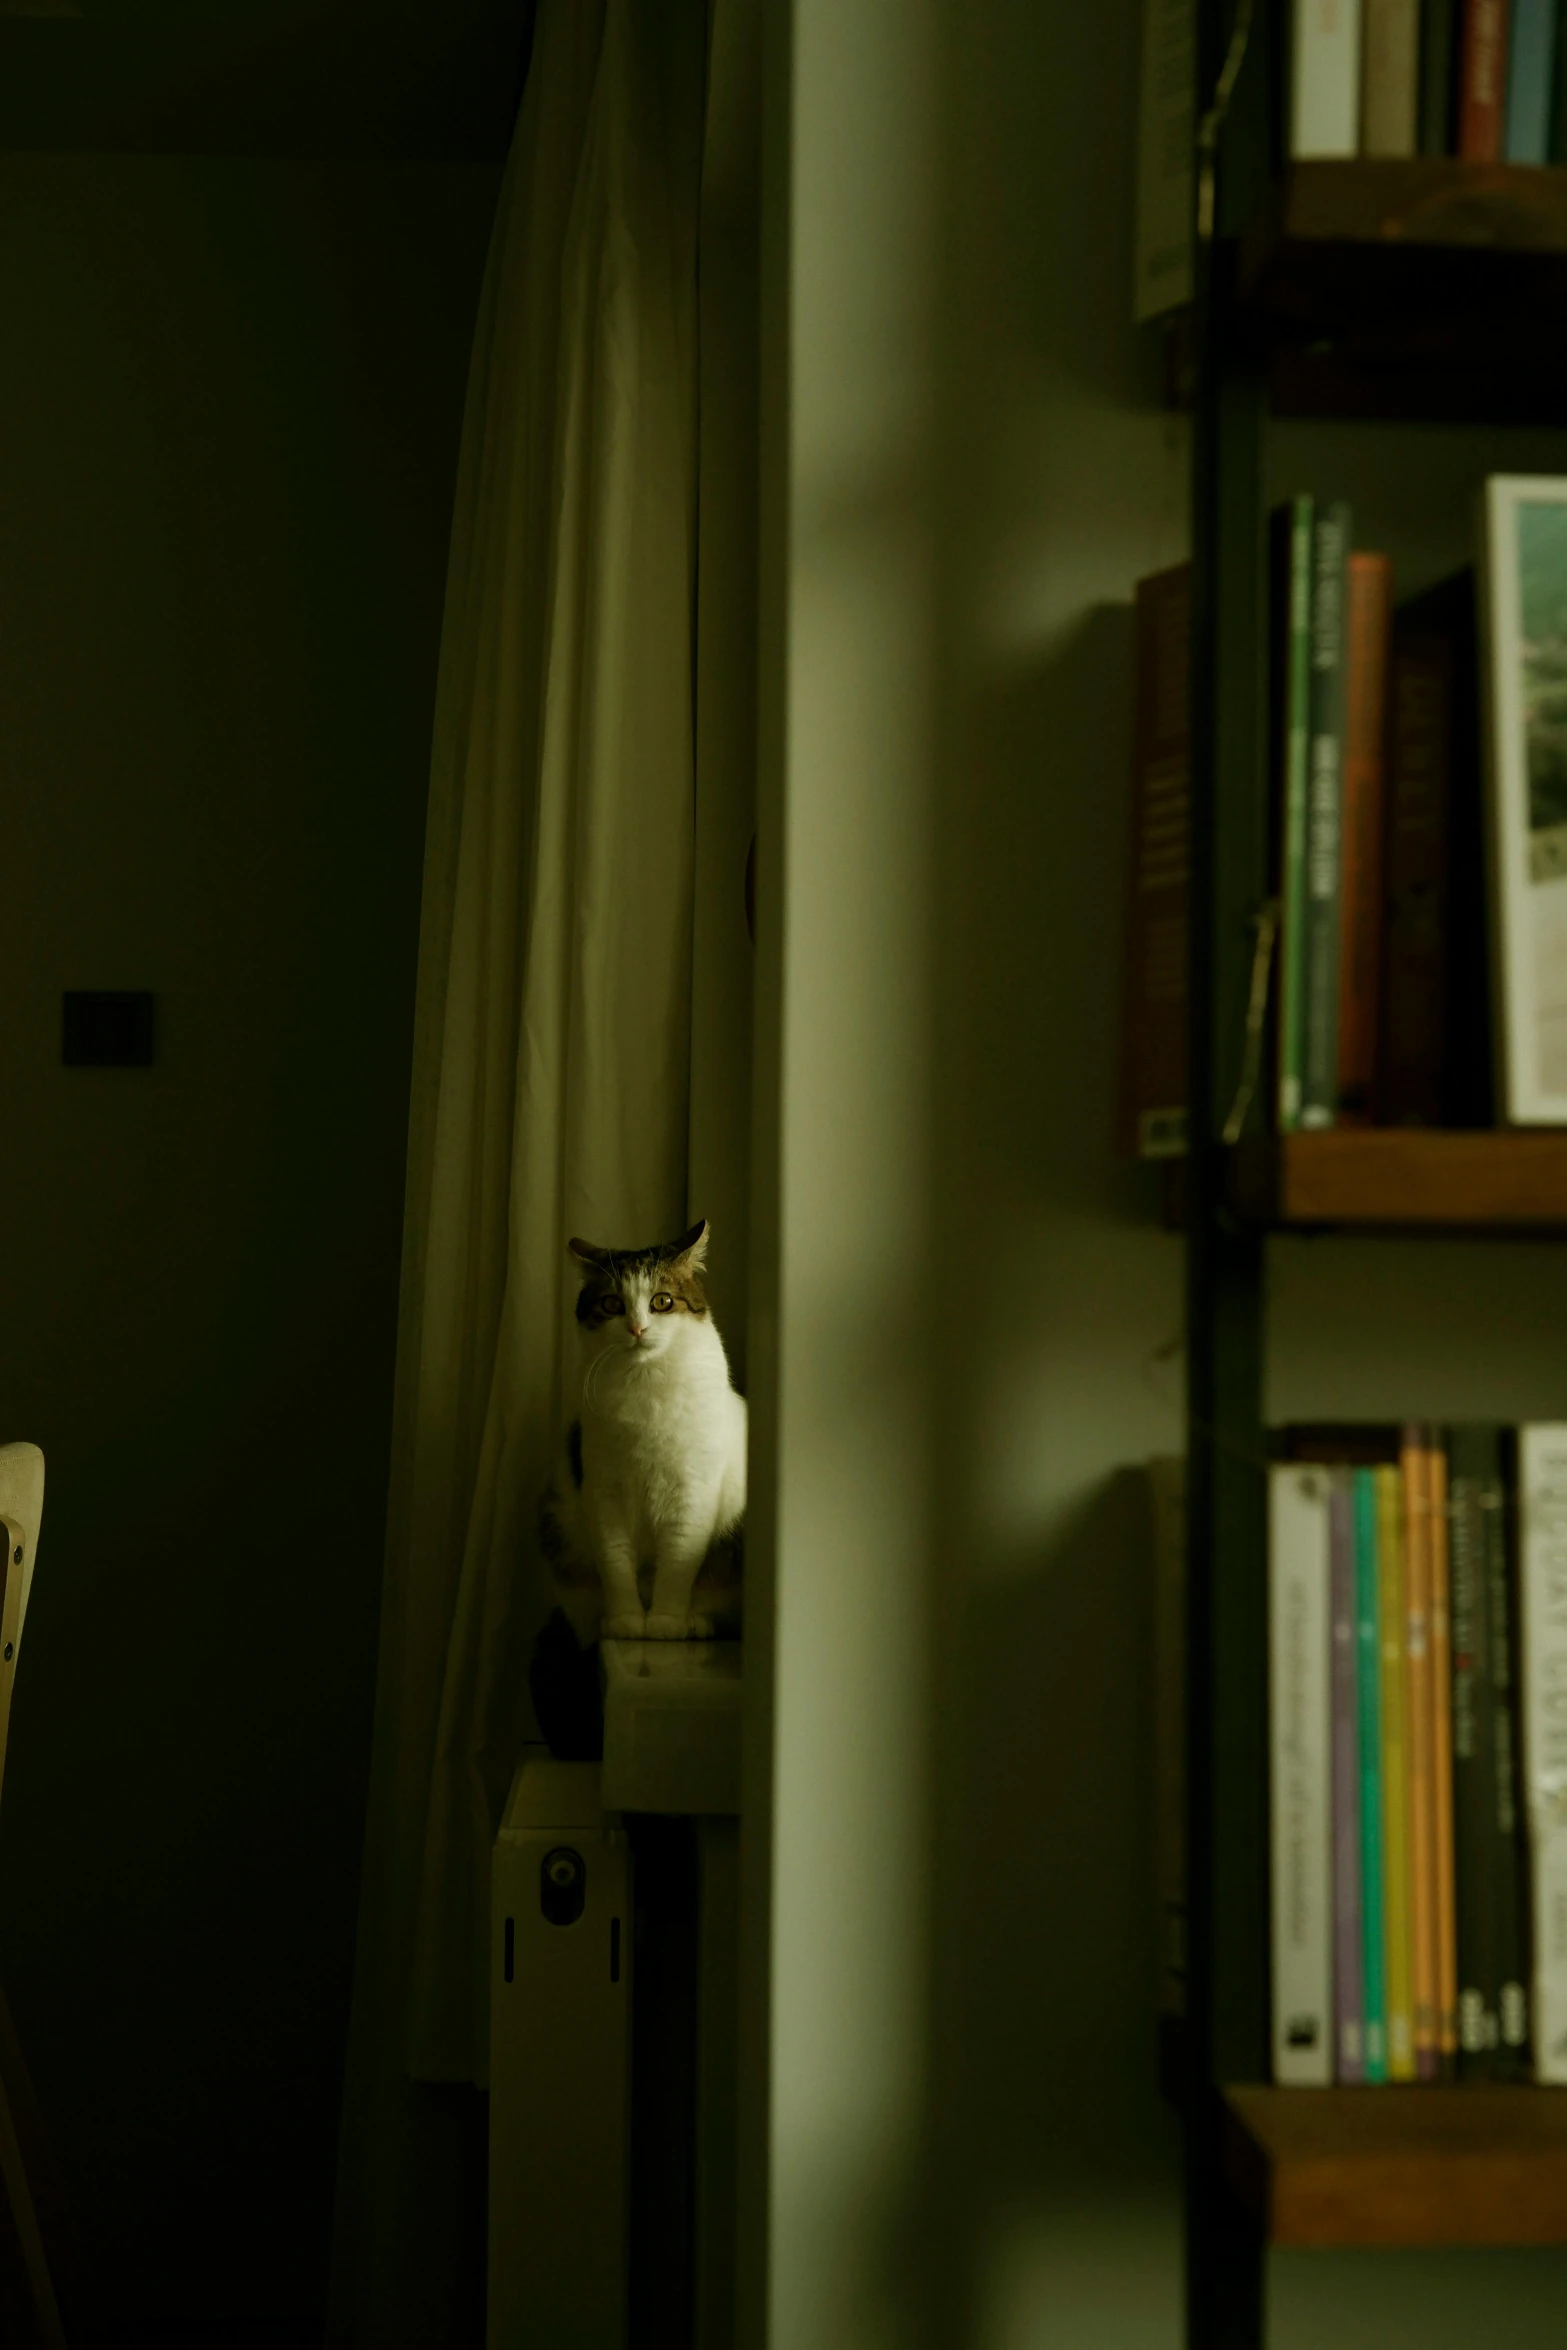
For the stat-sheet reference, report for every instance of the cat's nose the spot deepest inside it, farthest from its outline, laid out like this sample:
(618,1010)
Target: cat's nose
(636,1328)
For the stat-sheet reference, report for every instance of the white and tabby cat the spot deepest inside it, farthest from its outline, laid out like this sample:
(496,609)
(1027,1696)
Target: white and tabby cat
(642,1522)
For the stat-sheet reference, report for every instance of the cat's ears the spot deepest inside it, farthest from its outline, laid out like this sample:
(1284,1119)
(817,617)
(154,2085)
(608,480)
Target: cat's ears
(691,1248)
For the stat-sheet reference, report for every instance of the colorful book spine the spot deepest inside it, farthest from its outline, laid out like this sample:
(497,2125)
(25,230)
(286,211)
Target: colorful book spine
(1348,1946)
(1542,1582)
(1390,77)
(1369,621)
(1329,681)
(1510,1857)
(1325,65)
(1470,1460)
(1369,1658)
(1482,76)
(1418,1733)
(1531,63)
(1395,1778)
(1439,28)
(1300,1578)
(1293,572)
(1442,1756)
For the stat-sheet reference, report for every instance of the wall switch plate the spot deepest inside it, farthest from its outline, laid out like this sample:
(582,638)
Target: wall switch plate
(106,1029)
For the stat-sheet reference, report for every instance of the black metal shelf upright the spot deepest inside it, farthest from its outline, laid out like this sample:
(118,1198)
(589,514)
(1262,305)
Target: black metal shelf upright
(1227,1954)
(1423,288)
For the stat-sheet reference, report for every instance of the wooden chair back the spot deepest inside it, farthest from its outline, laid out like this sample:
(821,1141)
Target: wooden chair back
(21,1511)
(31,2208)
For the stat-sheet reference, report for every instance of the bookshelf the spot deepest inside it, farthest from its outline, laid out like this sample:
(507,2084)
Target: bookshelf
(1420,291)
(1392,1179)
(1400,2167)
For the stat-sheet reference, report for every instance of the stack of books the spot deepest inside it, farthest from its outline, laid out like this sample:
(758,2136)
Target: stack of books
(1474,78)
(1382,1002)
(1419,821)
(1418,1712)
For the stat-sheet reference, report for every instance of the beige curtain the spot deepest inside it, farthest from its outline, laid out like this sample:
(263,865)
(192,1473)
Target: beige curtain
(551,1048)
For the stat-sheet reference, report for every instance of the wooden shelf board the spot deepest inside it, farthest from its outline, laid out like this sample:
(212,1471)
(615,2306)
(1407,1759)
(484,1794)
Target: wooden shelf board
(1432,2165)
(1429,289)
(1404,1179)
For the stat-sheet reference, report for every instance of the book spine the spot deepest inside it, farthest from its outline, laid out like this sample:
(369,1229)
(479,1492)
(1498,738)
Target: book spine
(1295,741)
(1299,1645)
(1324,114)
(1348,1946)
(1414,951)
(1509,1853)
(1530,63)
(1474,1807)
(1162,270)
(1395,1779)
(1369,618)
(1329,568)
(1441,1639)
(1438,75)
(1390,76)
(1558,151)
(1422,1839)
(1369,1659)
(1482,80)
(1151,1082)
(1542,1575)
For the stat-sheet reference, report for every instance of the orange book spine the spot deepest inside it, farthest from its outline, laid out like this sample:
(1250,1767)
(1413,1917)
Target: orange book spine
(1368,629)
(1441,1644)
(1482,95)
(1413,1459)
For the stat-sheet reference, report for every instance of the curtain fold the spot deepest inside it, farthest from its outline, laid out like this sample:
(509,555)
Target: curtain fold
(552,1027)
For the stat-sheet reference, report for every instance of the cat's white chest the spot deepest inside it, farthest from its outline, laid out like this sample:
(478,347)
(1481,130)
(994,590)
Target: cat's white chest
(660,1460)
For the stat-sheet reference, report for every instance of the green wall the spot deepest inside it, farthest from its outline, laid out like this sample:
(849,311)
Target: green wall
(230,395)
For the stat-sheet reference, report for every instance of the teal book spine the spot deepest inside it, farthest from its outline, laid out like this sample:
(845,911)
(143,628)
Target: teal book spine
(1531,73)
(1324,812)
(1372,1912)
(1294,641)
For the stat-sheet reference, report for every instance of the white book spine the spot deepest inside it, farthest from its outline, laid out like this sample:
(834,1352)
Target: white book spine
(1325,79)
(1542,1578)
(1301,1749)
(1163,279)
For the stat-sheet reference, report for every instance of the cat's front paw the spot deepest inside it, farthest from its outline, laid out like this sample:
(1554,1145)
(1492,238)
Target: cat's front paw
(668,1627)
(701,1628)
(633,1625)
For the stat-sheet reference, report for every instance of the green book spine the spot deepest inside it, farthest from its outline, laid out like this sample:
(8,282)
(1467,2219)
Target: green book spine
(1324,801)
(1470,1466)
(1294,748)
(1438,77)
(1373,1915)
(1558,130)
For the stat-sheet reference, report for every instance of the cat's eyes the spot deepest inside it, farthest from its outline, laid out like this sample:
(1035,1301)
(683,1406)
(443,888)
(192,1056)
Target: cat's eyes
(662,1303)
(612,1305)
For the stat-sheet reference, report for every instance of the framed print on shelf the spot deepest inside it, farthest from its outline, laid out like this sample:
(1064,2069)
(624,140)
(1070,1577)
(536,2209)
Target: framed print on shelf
(1523,539)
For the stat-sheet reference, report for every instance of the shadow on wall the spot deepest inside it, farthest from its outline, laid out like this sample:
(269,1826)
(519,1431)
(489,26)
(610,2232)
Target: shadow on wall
(1052,2145)
(1042,837)
(1056,1871)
